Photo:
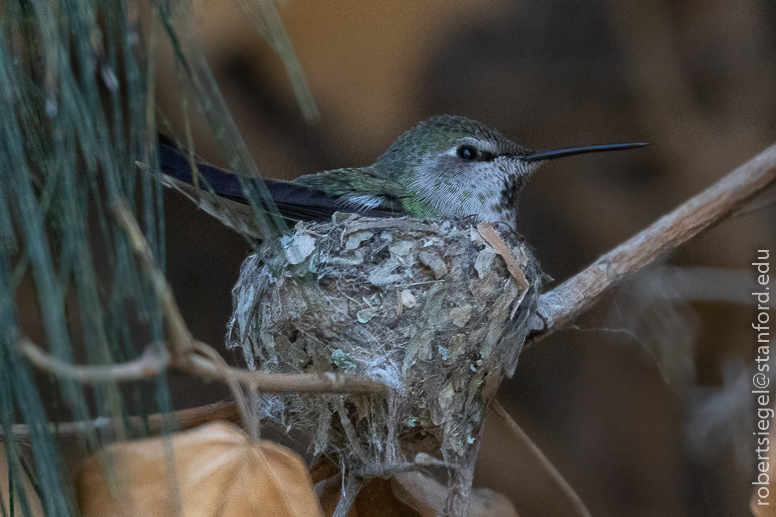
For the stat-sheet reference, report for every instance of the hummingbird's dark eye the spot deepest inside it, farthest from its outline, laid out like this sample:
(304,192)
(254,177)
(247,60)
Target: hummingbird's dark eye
(467,152)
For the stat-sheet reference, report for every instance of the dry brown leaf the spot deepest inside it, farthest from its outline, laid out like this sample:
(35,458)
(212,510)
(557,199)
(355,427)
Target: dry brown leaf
(217,471)
(36,508)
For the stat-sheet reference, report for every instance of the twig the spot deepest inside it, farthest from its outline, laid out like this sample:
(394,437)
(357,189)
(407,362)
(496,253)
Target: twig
(186,418)
(176,326)
(286,383)
(155,359)
(563,304)
(152,362)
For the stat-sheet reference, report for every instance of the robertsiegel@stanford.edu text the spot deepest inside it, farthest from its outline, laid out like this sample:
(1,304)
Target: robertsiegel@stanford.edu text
(761,378)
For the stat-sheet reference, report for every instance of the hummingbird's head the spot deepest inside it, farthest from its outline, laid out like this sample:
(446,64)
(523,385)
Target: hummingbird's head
(456,167)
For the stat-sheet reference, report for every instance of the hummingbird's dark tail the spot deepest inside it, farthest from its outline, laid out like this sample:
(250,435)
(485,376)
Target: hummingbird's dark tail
(294,202)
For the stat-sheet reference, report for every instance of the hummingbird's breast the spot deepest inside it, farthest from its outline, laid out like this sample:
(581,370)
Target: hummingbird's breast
(500,205)
(487,192)
(498,193)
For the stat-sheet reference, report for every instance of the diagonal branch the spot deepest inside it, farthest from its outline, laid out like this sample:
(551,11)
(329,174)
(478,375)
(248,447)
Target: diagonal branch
(531,457)
(560,306)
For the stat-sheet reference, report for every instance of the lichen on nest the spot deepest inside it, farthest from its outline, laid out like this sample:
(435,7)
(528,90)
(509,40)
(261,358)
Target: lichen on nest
(429,308)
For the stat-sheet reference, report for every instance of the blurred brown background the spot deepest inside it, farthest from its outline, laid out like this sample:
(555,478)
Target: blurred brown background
(629,404)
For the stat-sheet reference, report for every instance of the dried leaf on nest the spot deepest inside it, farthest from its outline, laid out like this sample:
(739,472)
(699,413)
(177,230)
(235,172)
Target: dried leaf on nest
(429,308)
(215,470)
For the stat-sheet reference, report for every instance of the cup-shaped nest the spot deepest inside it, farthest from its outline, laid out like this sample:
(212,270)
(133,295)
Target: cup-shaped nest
(436,310)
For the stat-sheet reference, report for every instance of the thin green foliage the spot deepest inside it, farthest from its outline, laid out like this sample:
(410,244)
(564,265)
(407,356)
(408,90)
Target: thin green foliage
(265,17)
(78,113)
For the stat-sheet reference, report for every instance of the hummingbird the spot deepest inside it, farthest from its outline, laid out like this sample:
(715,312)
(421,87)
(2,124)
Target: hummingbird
(446,166)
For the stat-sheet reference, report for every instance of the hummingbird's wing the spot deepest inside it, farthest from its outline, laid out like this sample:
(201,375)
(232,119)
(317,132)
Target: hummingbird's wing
(360,189)
(221,192)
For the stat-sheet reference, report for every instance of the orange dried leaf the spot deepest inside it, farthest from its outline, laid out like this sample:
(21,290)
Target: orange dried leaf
(214,470)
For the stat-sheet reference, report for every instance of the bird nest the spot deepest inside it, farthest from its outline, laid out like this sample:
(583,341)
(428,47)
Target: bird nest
(437,310)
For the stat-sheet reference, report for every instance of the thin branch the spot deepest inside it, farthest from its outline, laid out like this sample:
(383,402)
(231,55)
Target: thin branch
(176,326)
(186,419)
(151,363)
(266,382)
(560,306)
(498,411)
(156,358)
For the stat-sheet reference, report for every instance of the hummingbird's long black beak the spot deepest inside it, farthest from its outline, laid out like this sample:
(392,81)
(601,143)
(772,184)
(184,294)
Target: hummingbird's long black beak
(571,151)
